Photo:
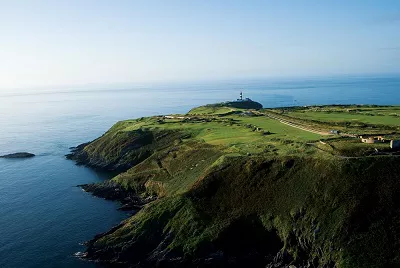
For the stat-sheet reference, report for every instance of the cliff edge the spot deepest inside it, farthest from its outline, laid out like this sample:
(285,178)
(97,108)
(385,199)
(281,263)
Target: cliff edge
(218,193)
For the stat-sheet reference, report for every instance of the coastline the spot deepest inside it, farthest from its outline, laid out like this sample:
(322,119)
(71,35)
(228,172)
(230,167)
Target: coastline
(177,182)
(50,134)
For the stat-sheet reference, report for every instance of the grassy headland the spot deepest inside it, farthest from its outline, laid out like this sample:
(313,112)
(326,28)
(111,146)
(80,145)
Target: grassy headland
(256,188)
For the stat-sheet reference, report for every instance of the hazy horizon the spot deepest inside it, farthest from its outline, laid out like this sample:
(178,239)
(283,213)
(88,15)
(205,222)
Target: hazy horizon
(235,85)
(75,43)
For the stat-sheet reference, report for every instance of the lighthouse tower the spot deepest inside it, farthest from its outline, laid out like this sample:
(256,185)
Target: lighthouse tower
(241,96)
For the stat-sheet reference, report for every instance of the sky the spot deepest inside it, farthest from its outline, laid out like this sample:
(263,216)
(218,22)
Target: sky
(78,42)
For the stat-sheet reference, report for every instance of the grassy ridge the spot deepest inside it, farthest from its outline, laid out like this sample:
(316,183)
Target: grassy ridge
(170,171)
(324,211)
(211,110)
(319,202)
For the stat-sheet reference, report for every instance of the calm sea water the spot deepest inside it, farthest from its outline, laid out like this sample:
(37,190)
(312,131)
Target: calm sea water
(44,217)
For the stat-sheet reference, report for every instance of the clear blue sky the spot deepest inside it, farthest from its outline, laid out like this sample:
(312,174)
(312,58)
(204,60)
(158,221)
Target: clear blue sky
(74,42)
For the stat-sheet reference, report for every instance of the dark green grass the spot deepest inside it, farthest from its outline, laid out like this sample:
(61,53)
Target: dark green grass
(335,208)
(213,173)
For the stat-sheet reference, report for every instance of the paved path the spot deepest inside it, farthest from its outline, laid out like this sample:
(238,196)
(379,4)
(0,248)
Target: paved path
(286,122)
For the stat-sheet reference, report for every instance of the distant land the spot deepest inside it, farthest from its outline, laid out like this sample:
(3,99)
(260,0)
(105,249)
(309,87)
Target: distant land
(237,185)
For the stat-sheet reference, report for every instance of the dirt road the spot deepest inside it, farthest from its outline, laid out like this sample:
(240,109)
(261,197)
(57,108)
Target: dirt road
(286,122)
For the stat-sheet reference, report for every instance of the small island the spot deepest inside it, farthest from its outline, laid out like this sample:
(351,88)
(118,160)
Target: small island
(18,155)
(231,186)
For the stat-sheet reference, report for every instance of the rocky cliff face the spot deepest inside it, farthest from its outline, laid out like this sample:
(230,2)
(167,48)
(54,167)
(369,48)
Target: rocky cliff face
(217,209)
(120,150)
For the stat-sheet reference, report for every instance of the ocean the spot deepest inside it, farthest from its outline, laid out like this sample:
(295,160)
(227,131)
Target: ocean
(44,217)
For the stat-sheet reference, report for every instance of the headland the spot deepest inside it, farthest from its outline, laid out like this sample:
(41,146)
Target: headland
(232,186)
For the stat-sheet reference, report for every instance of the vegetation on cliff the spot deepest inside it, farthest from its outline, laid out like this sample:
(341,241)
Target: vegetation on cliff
(242,189)
(229,105)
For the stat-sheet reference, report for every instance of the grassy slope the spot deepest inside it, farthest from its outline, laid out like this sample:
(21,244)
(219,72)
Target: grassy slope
(328,210)
(215,110)
(325,209)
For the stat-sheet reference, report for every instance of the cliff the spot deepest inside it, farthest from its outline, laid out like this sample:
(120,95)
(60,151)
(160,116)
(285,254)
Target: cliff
(213,199)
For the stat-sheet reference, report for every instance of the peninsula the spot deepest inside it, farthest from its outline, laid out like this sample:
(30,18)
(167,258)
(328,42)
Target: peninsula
(227,185)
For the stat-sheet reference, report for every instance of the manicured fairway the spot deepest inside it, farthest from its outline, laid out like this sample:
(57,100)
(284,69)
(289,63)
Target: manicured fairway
(280,130)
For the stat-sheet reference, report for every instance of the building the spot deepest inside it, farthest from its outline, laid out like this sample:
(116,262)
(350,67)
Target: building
(395,144)
(247,113)
(369,140)
(381,138)
(241,98)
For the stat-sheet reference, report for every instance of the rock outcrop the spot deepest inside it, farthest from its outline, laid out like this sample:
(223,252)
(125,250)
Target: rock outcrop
(18,155)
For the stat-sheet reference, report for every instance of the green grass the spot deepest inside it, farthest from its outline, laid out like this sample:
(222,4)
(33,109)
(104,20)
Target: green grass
(211,110)
(384,119)
(280,130)
(354,147)
(348,119)
(236,134)
(170,171)
(220,174)
(350,116)
(318,201)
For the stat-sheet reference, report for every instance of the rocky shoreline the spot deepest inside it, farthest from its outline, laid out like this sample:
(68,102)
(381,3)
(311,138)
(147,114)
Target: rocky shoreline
(109,190)
(112,191)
